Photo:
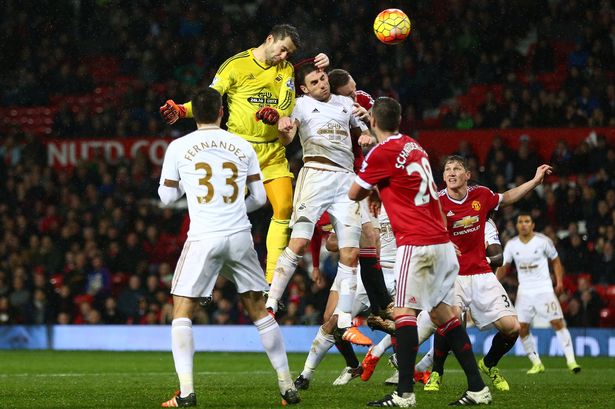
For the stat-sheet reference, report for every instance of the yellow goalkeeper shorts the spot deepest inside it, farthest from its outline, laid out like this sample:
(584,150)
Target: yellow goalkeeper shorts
(272,160)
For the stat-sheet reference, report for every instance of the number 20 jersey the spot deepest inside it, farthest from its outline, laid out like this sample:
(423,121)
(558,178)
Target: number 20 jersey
(400,168)
(212,165)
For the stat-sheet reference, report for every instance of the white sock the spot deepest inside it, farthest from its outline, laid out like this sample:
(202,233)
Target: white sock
(530,349)
(182,345)
(426,362)
(284,270)
(320,346)
(383,345)
(424,326)
(563,335)
(271,338)
(348,287)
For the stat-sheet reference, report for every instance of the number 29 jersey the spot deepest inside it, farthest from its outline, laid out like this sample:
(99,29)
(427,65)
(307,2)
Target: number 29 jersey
(399,166)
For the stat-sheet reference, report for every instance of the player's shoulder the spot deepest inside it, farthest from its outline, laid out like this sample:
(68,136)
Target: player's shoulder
(543,237)
(514,241)
(286,66)
(236,60)
(341,100)
(442,193)
(364,99)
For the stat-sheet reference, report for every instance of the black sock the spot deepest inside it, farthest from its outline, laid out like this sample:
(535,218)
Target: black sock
(499,347)
(407,345)
(373,280)
(440,352)
(460,343)
(347,352)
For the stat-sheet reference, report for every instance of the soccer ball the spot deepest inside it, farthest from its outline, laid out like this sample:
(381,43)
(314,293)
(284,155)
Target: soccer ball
(392,26)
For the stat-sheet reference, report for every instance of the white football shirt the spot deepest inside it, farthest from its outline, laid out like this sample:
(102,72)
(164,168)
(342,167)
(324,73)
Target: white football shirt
(388,246)
(212,165)
(491,233)
(532,261)
(324,128)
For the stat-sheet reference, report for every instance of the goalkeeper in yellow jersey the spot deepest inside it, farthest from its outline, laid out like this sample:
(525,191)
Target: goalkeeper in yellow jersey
(259,85)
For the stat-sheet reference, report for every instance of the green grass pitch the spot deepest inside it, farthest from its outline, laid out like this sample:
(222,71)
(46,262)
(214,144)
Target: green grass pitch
(45,379)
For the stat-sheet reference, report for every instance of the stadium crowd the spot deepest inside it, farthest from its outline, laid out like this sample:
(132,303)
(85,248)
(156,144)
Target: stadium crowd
(91,244)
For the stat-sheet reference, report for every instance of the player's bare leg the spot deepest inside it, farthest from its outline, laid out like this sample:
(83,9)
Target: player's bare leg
(273,343)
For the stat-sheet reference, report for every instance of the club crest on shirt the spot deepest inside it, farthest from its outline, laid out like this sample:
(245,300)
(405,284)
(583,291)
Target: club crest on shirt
(476,205)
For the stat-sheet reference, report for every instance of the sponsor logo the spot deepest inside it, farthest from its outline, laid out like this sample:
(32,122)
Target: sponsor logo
(333,131)
(468,225)
(264,97)
(450,213)
(315,111)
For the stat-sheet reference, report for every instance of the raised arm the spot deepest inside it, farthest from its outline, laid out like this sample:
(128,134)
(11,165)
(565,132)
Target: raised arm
(515,194)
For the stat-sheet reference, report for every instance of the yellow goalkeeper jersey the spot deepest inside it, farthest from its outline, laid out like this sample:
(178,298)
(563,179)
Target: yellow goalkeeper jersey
(249,85)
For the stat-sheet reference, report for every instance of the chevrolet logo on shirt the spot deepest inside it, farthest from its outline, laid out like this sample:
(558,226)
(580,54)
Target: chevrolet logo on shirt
(467,224)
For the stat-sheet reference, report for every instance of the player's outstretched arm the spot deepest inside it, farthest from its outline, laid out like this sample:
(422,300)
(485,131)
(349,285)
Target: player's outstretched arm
(257,197)
(287,128)
(171,112)
(170,191)
(515,194)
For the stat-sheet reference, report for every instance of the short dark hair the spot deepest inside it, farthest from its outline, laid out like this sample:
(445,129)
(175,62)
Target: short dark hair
(281,31)
(457,158)
(387,113)
(206,103)
(303,71)
(338,78)
(525,213)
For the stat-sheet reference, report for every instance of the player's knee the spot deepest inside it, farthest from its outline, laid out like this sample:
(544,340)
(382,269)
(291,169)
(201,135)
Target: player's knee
(349,256)
(368,236)
(512,330)
(524,330)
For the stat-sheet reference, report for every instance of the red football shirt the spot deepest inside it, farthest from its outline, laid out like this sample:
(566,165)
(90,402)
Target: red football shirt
(466,220)
(400,167)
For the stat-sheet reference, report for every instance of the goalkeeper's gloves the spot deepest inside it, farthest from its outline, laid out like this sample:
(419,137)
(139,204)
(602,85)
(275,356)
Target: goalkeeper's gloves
(268,115)
(171,111)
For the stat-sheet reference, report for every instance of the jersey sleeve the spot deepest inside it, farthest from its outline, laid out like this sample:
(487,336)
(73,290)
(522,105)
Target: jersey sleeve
(493,199)
(286,101)
(297,112)
(491,233)
(508,259)
(375,168)
(550,250)
(224,78)
(169,165)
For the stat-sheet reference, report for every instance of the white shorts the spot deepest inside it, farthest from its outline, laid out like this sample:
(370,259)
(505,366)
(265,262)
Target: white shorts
(485,297)
(545,305)
(425,276)
(366,215)
(232,256)
(318,191)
